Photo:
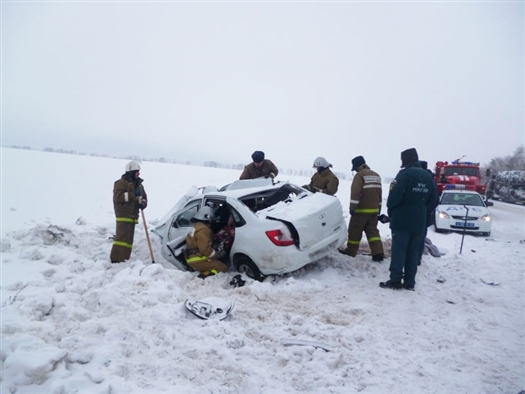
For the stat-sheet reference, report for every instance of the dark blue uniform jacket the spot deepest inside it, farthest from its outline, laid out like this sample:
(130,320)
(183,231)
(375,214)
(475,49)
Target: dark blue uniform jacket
(413,194)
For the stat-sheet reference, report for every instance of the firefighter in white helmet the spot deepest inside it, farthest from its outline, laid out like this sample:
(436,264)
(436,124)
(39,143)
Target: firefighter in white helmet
(324,180)
(200,254)
(129,196)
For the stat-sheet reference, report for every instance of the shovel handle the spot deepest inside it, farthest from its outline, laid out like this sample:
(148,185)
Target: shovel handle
(147,234)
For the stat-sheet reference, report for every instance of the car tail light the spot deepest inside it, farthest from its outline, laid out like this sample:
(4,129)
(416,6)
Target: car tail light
(279,238)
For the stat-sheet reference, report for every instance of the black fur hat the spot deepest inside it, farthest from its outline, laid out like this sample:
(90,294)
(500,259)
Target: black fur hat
(408,157)
(357,162)
(258,156)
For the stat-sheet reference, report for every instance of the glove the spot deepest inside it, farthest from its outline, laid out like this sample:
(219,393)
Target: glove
(138,192)
(352,213)
(272,175)
(383,218)
(143,205)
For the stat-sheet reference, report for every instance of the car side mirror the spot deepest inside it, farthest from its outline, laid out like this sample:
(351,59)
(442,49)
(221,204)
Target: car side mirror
(490,204)
(175,224)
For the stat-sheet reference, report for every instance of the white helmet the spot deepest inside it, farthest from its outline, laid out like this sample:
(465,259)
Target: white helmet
(321,162)
(133,165)
(205,213)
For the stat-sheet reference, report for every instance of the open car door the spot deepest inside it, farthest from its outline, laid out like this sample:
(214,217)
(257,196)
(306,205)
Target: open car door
(173,233)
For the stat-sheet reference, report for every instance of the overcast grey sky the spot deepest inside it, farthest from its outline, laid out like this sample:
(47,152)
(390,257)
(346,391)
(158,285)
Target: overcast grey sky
(218,80)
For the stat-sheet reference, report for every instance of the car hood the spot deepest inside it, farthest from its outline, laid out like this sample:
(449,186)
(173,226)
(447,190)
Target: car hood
(314,217)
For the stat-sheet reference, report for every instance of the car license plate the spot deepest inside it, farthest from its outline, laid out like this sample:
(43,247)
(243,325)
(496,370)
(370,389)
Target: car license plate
(462,224)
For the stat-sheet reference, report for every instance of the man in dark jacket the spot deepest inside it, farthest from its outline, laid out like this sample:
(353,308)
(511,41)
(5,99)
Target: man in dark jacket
(365,206)
(128,197)
(324,180)
(260,167)
(412,194)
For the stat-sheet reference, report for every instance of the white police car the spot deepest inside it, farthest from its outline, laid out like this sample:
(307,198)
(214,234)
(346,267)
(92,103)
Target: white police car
(463,210)
(279,227)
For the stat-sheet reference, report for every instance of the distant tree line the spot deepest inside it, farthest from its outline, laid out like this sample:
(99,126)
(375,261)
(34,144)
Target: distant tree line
(212,164)
(516,162)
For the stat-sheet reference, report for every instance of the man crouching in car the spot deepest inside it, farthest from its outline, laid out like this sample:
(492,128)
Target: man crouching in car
(199,253)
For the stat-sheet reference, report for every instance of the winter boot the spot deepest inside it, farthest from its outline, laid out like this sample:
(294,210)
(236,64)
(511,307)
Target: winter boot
(378,257)
(391,285)
(346,252)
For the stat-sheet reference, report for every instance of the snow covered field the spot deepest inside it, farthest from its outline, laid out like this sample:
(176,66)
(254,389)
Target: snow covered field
(74,323)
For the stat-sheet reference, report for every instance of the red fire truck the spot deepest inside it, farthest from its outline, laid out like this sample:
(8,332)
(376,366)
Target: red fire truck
(458,175)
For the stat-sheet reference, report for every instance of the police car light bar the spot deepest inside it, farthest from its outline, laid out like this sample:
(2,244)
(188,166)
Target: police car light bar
(453,186)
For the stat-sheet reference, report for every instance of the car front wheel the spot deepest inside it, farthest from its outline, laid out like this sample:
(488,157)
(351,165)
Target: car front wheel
(246,266)
(438,230)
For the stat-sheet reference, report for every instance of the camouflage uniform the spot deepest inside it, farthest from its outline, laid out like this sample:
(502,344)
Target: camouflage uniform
(223,241)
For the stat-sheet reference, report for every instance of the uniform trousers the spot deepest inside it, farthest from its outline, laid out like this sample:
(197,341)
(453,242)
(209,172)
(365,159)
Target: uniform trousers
(405,256)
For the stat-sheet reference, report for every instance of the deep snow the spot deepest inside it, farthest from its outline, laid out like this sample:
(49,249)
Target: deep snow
(74,323)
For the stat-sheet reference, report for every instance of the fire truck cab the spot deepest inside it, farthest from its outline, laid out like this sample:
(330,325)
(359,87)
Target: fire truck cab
(458,175)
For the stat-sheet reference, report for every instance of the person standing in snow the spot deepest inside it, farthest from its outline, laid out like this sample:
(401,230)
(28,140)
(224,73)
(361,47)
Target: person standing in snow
(365,206)
(412,194)
(200,254)
(430,214)
(260,167)
(129,196)
(324,180)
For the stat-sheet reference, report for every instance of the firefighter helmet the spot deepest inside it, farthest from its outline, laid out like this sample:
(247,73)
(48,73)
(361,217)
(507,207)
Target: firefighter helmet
(205,213)
(133,165)
(321,162)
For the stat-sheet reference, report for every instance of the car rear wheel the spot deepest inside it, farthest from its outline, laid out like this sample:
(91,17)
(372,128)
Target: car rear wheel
(246,266)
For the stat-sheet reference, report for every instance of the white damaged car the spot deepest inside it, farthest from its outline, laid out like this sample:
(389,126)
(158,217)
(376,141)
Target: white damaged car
(279,227)
(463,210)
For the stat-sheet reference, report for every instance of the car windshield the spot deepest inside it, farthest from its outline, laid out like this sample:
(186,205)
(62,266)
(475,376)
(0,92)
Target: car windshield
(470,171)
(462,199)
(268,198)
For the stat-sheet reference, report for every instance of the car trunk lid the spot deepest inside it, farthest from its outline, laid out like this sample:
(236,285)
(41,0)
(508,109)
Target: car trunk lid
(313,217)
